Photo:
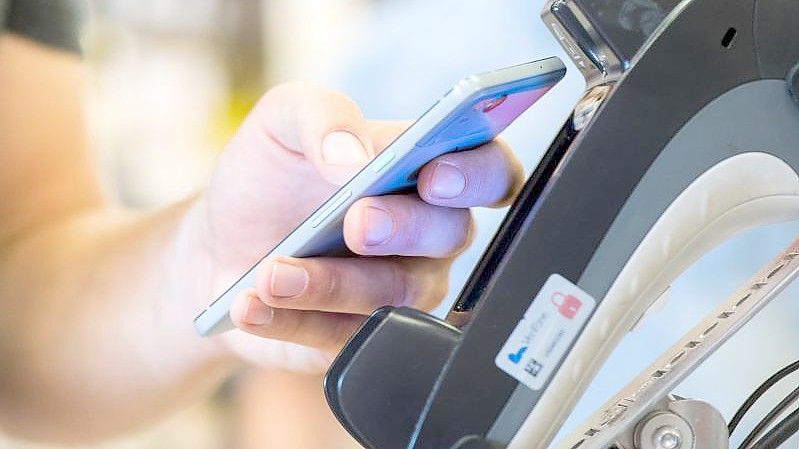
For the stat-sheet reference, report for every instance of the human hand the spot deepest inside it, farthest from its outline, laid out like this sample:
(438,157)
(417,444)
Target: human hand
(296,147)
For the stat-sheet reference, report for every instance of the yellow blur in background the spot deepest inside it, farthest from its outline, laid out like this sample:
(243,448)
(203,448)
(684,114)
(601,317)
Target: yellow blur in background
(169,82)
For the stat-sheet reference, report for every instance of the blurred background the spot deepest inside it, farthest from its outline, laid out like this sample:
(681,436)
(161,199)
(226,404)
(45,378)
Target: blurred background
(171,80)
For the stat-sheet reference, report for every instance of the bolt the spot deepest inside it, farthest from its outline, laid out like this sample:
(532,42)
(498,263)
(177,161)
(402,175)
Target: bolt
(667,437)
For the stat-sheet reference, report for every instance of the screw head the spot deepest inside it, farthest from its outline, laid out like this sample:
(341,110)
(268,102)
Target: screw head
(667,437)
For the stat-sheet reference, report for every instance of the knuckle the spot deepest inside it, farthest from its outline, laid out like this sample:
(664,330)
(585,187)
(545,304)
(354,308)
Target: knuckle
(324,281)
(402,283)
(331,288)
(411,225)
(479,190)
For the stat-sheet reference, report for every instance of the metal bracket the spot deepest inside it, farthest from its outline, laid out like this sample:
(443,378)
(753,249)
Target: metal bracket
(644,415)
(793,82)
(679,424)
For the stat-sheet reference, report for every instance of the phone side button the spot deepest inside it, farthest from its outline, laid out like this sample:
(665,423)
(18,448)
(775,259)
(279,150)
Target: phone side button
(335,203)
(382,161)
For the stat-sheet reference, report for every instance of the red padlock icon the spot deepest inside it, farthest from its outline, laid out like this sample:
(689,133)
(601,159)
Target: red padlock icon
(567,305)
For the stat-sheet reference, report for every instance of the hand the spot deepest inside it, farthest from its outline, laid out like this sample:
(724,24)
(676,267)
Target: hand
(297,146)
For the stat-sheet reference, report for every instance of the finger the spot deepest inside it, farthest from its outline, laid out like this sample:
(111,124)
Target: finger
(486,176)
(405,225)
(322,125)
(323,330)
(352,285)
(383,132)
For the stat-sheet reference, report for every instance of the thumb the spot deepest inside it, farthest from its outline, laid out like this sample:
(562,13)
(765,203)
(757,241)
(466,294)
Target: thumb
(343,154)
(324,126)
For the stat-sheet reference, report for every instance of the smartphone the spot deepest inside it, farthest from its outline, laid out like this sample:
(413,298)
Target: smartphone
(472,113)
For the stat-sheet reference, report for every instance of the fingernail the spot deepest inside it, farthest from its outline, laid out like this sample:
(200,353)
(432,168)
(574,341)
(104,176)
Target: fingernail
(448,181)
(256,313)
(287,280)
(342,148)
(379,225)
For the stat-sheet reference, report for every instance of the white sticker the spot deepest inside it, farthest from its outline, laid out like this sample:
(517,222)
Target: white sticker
(547,330)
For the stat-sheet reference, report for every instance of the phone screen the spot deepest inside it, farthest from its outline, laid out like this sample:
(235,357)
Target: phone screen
(485,117)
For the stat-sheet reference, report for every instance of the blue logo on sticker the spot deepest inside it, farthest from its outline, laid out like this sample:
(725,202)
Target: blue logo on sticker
(517,357)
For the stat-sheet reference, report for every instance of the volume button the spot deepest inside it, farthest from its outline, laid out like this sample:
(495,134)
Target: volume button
(334,204)
(382,161)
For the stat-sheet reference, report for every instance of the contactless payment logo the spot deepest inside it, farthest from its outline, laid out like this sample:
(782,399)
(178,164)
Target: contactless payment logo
(516,357)
(568,305)
(540,340)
